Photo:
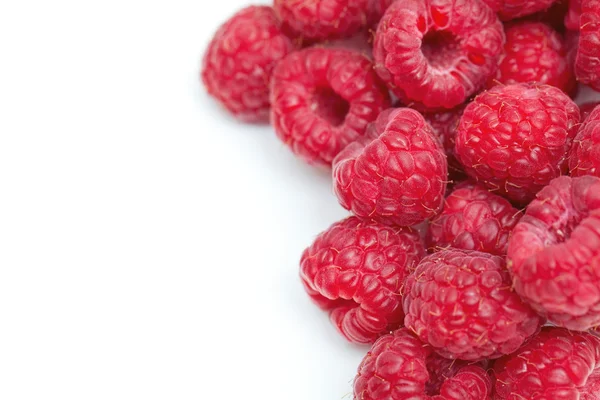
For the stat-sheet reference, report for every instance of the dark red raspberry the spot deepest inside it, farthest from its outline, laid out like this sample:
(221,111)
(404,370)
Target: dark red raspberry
(554,251)
(534,52)
(315,20)
(553,16)
(512,9)
(555,365)
(323,99)
(514,139)
(461,303)
(400,367)
(355,270)
(238,63)
(587,66)
(584,158)
(397,178)
(573,15)
(437,52)
(586,109)
(473,219)
(445,126)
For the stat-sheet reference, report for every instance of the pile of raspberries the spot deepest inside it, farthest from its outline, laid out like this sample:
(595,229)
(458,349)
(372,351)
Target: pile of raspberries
(471,261)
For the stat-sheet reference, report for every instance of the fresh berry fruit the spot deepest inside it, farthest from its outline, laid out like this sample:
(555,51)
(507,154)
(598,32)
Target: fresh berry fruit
(355,270)
(397,175)
(316,20)
(473,219)
(240,59)
(586,109)
(437,52)
(445,126)
(554,250)
(514,139)
(584,158)
(553,16)
(461,303)
(573,15)
(587,66)
(376,10)
(512,9)
(555,365)
(323,99)
(534,52)
(400,367)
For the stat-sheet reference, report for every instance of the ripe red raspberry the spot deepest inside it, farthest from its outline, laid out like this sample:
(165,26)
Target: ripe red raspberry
(437,52)
(584,158)
(397,178)
(554,250)
(573,15)
(400,367)
(514,139)
(534,52)
(315,20)
(376,10)
(586,109)
(473,219)
(553,16)
(323,99)
(239,60)
(587,67)
(461,303)
(512,9)
(355,270)
(445,126)
(555,365)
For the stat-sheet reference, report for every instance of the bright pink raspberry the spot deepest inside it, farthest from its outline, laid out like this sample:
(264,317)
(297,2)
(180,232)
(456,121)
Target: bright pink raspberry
(315,20)
(400,367)
(534,52)
(555,365)
(240,59)
(512,9)
(323,99)
(397,175)
(437,52)
(445,126)
(584,158)
(355,270)
(554,250)
(514,139)
(461,303)
(587,66)
(473,219)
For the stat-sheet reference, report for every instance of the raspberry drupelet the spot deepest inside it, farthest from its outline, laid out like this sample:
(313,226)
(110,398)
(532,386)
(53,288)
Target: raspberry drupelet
(240,59)
(400,367)
(396,174)
(355,270)
(554,250)
(584,158)
(437,53)
(515,139)
(473,219)
(322,99)
(554,365)
(461,303)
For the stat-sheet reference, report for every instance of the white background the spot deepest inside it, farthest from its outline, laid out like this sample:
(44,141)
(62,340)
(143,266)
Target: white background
(149,244)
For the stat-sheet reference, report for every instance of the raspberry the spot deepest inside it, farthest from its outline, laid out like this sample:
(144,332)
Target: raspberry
(553,16)
(322,99)
(587,67)
(473,219)
(573,15)
(461,303)
(437,52)
(376,10)
(555,365)
(400,367)
(554,250)
(355,270)
(534,52)
(512,9)
(514,139)
(586,109)
(239,61)
(584,158)
(445,125)
(315,20)
(399,176)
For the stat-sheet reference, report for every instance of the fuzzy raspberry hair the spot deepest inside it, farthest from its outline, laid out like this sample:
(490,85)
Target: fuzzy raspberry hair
(355,270)
(554,251)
